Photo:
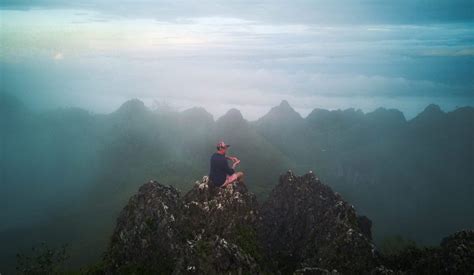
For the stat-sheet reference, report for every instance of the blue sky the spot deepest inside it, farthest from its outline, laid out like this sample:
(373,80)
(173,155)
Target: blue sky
(248,55)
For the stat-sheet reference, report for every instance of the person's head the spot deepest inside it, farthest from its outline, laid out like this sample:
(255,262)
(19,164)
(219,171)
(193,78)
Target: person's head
(222,147)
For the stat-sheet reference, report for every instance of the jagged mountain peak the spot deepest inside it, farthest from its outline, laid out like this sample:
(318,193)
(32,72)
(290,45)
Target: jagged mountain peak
(196,110)
(197,113)
(317,112)
(433,108)
(285,108)
(431,114)
(317,218)
(232,116)
(282,113)
(285,104)
(132,106)
(385,115)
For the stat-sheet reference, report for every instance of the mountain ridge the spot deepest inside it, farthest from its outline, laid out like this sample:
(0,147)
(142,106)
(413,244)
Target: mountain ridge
(138,105)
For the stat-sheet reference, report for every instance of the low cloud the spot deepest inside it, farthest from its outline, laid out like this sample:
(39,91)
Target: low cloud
(221,60)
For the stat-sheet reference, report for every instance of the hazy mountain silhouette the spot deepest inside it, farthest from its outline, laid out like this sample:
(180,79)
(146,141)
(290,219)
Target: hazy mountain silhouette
(69,168)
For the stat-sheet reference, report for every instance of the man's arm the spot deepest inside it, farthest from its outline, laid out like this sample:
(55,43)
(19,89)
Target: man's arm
(228,170)
(235,163)
(231,158)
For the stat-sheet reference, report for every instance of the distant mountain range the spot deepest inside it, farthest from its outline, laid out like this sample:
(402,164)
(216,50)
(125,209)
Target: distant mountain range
(66,173)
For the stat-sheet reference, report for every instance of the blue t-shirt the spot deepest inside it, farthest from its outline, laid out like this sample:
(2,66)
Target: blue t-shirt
(219,169)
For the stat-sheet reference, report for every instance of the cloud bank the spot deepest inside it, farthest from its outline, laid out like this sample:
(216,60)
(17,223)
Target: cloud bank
(248,55)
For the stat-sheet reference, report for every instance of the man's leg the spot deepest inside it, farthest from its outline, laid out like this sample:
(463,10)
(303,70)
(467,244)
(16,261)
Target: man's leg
(230,179)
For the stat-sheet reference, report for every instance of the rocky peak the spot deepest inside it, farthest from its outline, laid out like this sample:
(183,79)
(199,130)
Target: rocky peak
(302,228)
(146,236)
(431,117)
(220,211)
(132,107)
(213,230)
(306,224)
(390,116)
(232,114)
(221,221)
(282,113)
(285,105)
(317,113)
(433,108)
(457,252)
(197,113)
(430,112)
(209,231)
(232,126)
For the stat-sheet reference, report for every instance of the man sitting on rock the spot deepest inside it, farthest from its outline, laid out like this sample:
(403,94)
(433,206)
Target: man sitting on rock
(221,175)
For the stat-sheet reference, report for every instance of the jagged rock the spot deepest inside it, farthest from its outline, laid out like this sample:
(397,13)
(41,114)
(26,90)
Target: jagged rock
(306,224)
(458,252)
(224,221)
(215,256)
(146,237)
(303,228)
(210,231)
(221,211)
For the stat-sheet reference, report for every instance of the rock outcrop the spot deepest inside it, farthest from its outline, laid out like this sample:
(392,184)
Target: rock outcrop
(219,228)
(307,225)
(209,231)
(147,236)
(457,252)
(302,228)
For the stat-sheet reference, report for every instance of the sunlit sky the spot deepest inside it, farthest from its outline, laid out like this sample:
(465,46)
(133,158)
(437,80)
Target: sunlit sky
(248,55)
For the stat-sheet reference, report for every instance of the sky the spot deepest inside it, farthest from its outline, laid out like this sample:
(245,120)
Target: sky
(248,55)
